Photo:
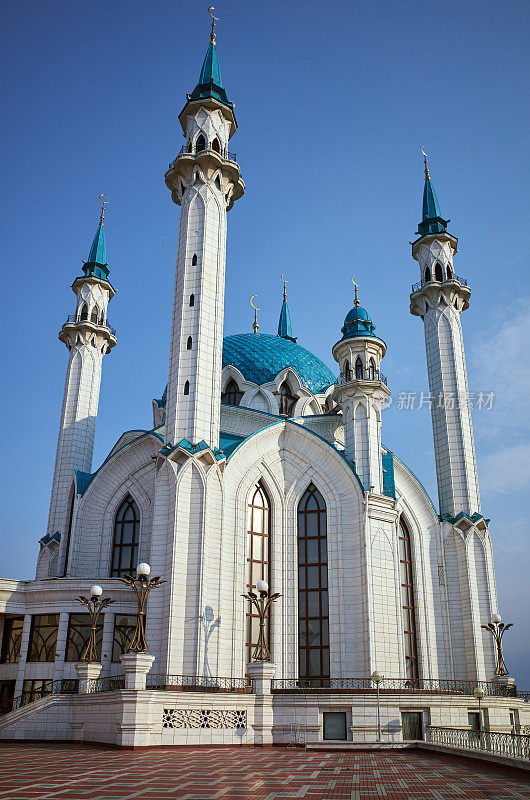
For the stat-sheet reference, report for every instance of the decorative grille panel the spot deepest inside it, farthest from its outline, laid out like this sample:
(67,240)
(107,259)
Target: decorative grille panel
(203,718)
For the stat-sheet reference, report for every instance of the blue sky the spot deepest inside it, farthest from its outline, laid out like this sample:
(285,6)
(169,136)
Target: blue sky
(333,101)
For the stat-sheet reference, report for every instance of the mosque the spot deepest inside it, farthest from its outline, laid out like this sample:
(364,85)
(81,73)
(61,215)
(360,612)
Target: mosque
(262,464)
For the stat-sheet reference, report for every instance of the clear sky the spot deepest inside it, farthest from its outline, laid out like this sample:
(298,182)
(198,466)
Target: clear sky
(333,101)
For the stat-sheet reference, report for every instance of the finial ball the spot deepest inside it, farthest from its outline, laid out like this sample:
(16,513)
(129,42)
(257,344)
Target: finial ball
(96,591)
(262,586)
(143,569)
(496,618)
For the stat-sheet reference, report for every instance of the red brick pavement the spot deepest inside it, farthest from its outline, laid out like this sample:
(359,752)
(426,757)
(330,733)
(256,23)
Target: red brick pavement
(66,772)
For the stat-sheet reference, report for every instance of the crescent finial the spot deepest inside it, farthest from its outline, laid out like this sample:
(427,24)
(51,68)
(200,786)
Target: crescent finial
(103,204)
(356,294)
(425,163)
(212,34)
(255,326)
(284,279)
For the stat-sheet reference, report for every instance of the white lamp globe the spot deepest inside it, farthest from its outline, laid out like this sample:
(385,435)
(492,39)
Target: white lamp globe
(262,586)
(96,591)
(143,570)
(478,693)
(377,676)
(496,618)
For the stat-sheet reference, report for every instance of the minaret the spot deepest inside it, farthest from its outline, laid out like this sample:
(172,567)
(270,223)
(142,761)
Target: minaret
(439,299)
(362,391)
(205,181)
(285,328)
(88,337)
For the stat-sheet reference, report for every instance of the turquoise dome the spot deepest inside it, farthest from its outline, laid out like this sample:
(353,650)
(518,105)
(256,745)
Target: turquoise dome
(358,323)
(260,356)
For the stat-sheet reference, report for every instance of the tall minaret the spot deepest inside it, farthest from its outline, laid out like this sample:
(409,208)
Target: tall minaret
(362,391)
(88,336)
(205,180)
(439,299)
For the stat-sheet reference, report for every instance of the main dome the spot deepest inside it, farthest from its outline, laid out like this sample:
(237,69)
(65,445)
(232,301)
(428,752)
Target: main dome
(260,356)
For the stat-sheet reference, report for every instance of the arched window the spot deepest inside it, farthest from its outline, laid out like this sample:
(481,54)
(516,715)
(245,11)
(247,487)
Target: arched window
(449,273)
(258,558)
(126,538)
(287,400)
(216,146)
(428,275)
(371,370)
(438,273)
(94,315)
(313,614)
(347,371)
(187,388)
(218,182)
(200,144)
(359,369)
(189,343)
(192,300)
(102,319)
(84,312)
(194,260)
(407,602)
(232,394)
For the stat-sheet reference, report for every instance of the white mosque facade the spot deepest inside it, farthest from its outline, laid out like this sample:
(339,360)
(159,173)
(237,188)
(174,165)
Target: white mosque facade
(261,464)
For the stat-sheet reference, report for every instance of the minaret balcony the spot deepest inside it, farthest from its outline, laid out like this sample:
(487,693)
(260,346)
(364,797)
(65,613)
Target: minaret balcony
(209,161)
(73,320)
(230,156)
(373,376)
(416,287)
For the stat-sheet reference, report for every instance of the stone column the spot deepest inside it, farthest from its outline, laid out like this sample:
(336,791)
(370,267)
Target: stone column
(107,641)
(60,648)
(24,644)
(261,674)
(136,666)
(87,672)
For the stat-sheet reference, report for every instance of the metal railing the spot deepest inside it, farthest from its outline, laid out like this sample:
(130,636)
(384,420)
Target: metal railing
(227,155)
(515,745)
(355,375)
(75,318)
(108,684)
(395,685)
(417,286)
(197,683)
(65,686)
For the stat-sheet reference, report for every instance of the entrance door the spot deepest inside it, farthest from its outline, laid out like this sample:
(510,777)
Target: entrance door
(412,724)
(335,725)
(7,693)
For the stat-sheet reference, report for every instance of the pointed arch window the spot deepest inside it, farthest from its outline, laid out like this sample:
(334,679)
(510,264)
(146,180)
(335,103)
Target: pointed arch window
(187,388)
(126,538)
(313,613)
(438,272)
(371,370)
(407,602)
(216,146)
(189,343)
(192,300)
(428,275)
(94,315)
(347,371)
(449,273)
(194,260)
(358,369)
(258,558)
(200,144)
(287,400)
(232,394)
(84,313)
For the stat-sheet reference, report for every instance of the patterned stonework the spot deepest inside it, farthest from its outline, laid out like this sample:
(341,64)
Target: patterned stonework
(203,718)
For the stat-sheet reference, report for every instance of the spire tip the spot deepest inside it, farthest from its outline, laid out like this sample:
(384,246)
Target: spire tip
(212,34)
(103,204)
(426,167)
(255,325)
(356,301)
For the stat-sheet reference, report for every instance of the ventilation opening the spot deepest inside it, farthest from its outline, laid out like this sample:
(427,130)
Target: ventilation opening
(189,343)
(84,313)
(94,315)
(187,388)
(192,300)
(194,259)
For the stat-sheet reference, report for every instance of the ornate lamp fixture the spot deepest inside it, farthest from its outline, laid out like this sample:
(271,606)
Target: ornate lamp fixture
(141,586)
(497,628)
(262,605)
(95,607)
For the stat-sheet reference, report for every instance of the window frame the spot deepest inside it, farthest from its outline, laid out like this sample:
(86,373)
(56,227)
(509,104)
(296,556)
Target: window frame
(48,643)
(83,636)
(252,564)
(117,546)
(409,623)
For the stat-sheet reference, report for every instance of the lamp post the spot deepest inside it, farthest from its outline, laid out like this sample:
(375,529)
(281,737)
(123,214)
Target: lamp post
(95,607)
(262,605)
(142,586)
(478,693)
(497,628)
(378,677)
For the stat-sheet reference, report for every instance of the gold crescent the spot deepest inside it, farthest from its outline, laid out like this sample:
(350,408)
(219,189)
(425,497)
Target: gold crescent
(423,151)
(212,8)
(283,279)
(353,280)
(252,304)
(101,198)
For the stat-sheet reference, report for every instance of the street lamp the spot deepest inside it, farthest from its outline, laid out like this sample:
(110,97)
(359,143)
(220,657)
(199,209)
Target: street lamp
(478,693)
(262,605)
(95,607)
(141,586)
(497,628)
(378,677)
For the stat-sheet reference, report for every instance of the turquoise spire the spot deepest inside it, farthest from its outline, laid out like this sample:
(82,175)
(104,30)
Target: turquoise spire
(432,220)
(285,328)
(96,264)
(210,81)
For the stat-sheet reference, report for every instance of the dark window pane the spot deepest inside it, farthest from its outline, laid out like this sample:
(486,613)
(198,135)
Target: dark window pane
(313,606)
(314,662)
(43,637)
(313,632)
(312,551)
(78,636)
(312,525)
(124,627)
(126,538)
(313,577)
(11,640)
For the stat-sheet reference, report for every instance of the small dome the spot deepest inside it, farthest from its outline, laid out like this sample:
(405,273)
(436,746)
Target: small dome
(358,323)
(261,356)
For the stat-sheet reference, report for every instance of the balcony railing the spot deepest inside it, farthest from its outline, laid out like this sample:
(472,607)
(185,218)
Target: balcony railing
(75,318)
(514,745)
(108,684)
(358,375)
(197,683)
(227,154)
(417,286)
(65,686)
(393,685)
